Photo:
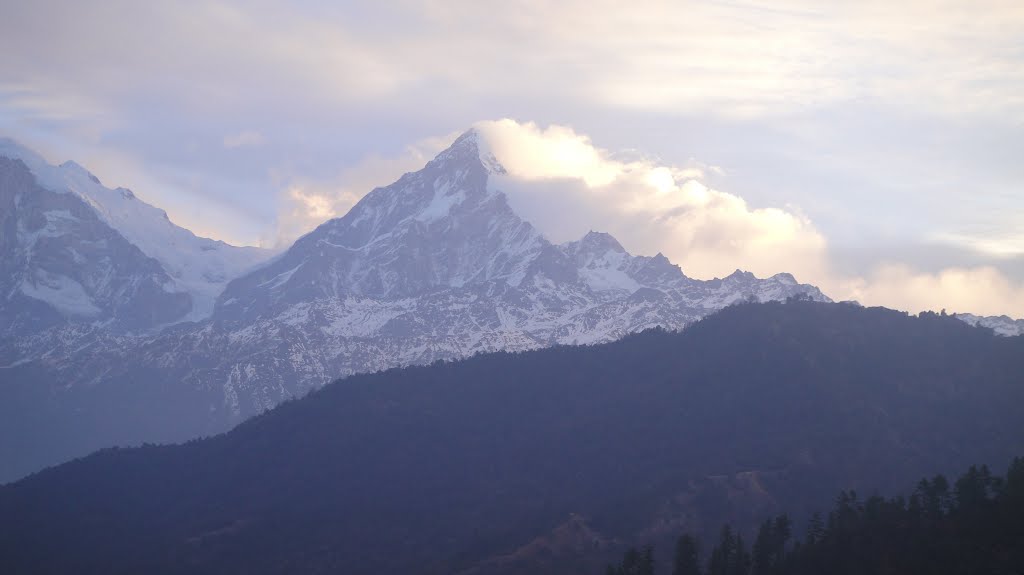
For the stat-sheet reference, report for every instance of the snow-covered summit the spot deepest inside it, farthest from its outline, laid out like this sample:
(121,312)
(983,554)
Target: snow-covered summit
(470,146)
(441,227)
(594,243)
(199,266)
(61,263)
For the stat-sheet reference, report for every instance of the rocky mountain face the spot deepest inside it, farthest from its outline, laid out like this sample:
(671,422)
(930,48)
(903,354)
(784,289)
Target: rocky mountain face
(60,263)
(434,266)
(197,269)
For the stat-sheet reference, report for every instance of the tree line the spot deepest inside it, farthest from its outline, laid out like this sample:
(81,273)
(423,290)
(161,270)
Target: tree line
(974,524)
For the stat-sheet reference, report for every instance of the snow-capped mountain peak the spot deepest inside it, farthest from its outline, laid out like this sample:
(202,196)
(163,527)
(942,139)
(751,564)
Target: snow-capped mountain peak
(596,243)
(441,227)
(471,146)
(198,266)
(602,263)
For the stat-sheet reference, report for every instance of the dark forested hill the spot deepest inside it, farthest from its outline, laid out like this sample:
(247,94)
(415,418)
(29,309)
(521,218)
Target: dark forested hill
(974,524)
(543,460)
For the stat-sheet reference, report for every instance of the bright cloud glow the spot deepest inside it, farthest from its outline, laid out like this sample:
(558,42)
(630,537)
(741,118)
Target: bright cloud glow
(980,290)
(558,180)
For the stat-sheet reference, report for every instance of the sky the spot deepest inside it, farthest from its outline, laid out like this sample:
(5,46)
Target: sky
(875,149)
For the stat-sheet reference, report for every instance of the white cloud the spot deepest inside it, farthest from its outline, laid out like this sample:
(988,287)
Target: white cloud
(306,205)
(982,290)
(566,186)
(999,245)
(563,184)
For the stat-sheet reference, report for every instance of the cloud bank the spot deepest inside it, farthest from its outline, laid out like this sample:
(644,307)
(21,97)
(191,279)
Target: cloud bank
(562,183)
(982,290)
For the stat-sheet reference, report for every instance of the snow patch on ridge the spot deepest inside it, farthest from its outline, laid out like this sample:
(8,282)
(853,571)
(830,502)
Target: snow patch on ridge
(442,203)
(61,292)
(1001,325)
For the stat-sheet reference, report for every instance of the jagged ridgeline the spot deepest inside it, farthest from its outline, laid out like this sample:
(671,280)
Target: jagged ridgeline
(548,461)
(118,327)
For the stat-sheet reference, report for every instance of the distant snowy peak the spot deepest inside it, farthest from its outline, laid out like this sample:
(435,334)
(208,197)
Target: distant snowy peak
(470,147)
(604,265)
(592,245)
(440,227)
(200,267)
(452,186)
(1001,325)
(60,261)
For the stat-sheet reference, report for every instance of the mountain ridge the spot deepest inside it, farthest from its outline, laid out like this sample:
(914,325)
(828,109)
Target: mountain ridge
(60,260)
(436,265)
(442,468)
(198,266)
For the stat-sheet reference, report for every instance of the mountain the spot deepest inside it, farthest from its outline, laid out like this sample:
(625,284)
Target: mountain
(434,266)
(548,461)
(1001,325)
(61,262)
(197,267)
(438,266)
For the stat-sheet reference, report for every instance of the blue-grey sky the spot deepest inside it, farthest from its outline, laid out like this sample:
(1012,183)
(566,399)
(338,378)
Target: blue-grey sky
(874,148)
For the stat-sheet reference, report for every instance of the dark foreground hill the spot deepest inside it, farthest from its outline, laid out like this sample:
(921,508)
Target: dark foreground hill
(543,461)
(973,524)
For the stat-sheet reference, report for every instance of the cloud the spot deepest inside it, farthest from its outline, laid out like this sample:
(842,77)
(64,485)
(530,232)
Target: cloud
(737,60)
(31,103)
(980,290)
(1006,245)
(563,184)
(306,205)
(247,138)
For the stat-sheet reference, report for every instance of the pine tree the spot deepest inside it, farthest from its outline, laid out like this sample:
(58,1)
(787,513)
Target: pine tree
(646,564)
(740,563)
(770,545)
(815,529)
(722,553)
(687,557)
